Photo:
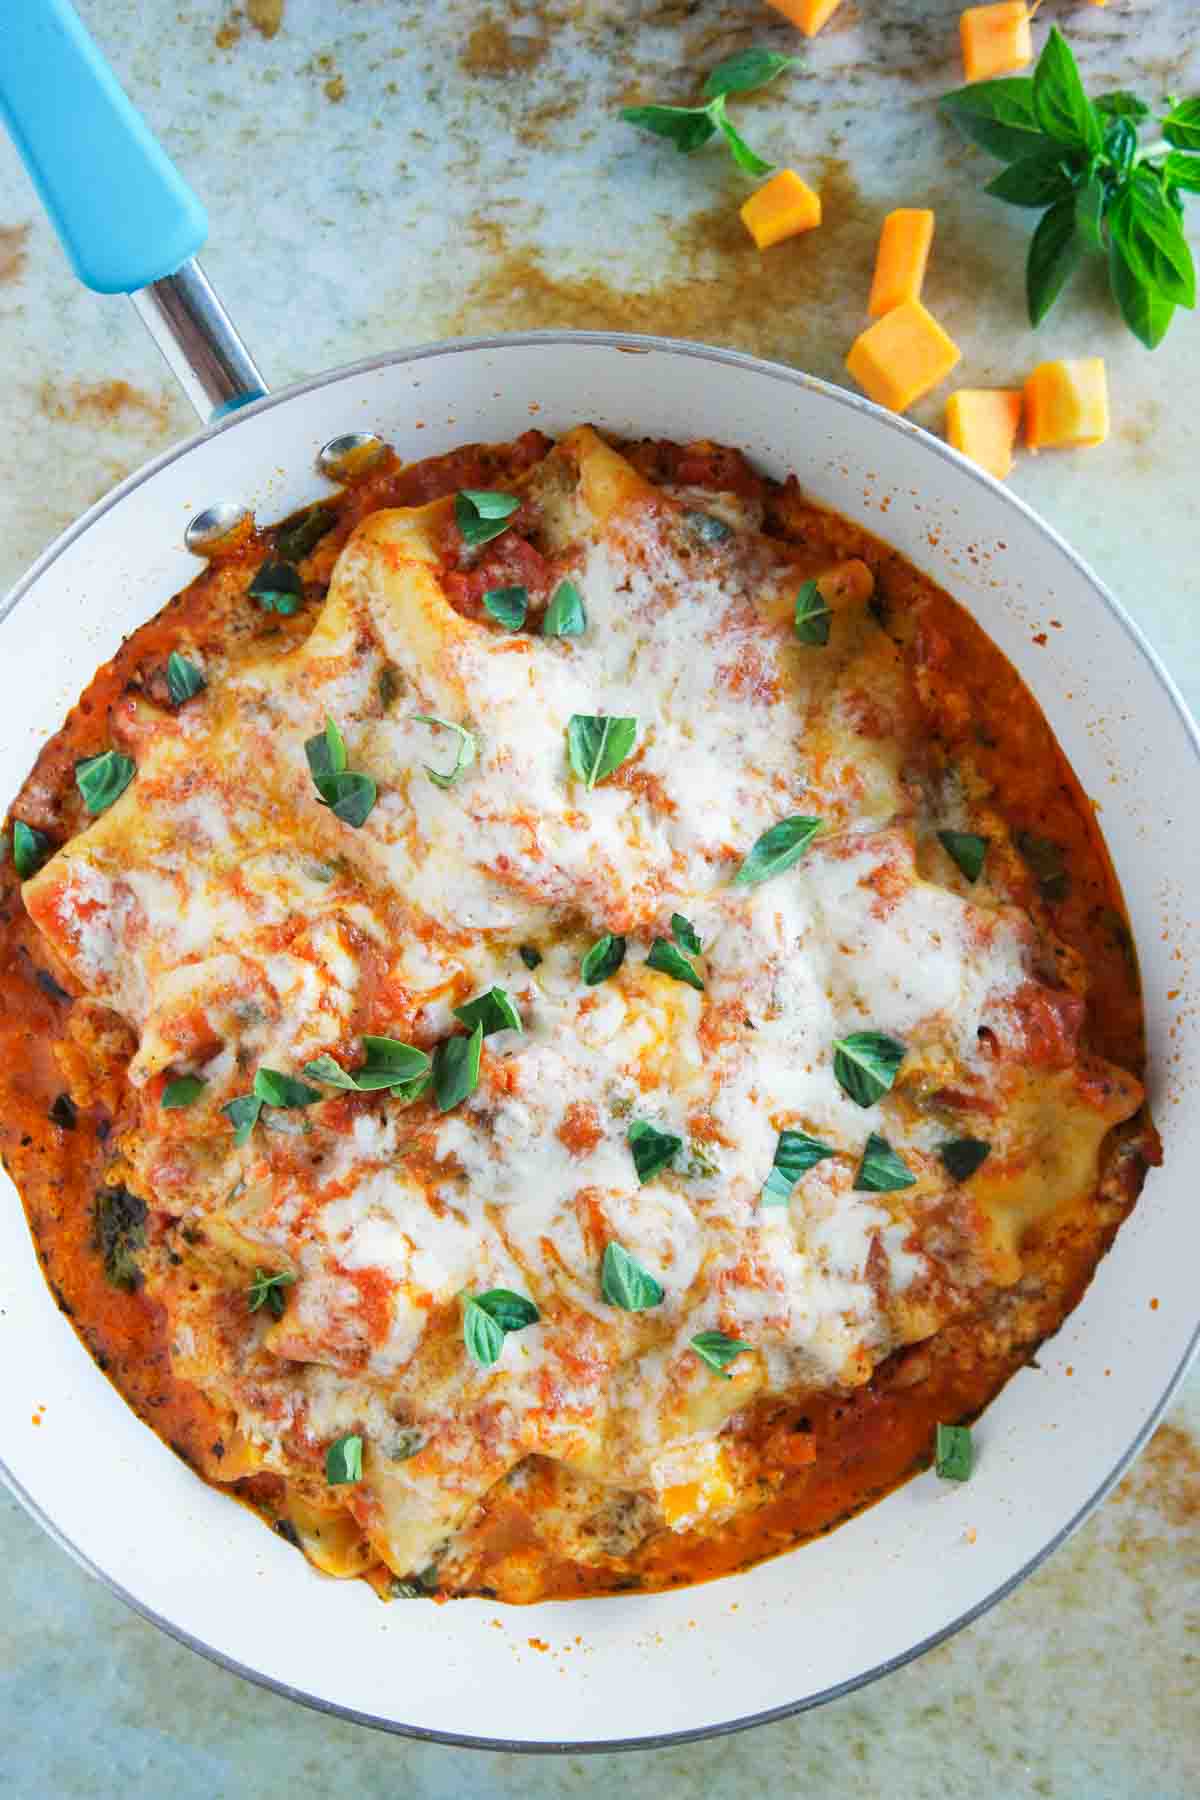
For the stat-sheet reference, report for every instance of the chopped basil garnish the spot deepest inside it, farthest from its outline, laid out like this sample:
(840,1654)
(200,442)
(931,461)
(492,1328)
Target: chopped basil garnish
(344,1460)
(625,1283)
(813,615)
(507,605)
(685,934)
(955,1453)
(707,527)
(119,1232)
(277,588)
(402,1068)
(182,1091)
(103,779)
(30,849)
(776,850)
(866,1064)
(326,753)
(324,1068)
(1045,859)
(668,959)
(267,1290)
(493,1010)
(652,1149)
(965,849)
(276,1089)
(962,1156)
(296,539)
(242,1114)
(795,1154)
(603,959)
(464,754)
(488,1318)
(184,680)
(348,796)
(456,1069)
(565,617)
(407,1091)
(881,1170)
(715,1349)
(530,955)
(598,745)
(483,515)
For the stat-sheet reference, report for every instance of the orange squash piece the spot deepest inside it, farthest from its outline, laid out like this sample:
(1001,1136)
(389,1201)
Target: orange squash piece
(983,424)
(901,259)
(1066,405)
(902,356)
(809,15)
(784,206)
(996,40)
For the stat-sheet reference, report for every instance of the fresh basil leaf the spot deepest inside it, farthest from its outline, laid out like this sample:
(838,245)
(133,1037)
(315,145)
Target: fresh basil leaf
(118,1233)
(866,1064)
(507,605)
(1145,310)
(30,849)
(1054,250)
(685,934)
(276,1089)
(668,959)
(565,617)
(350,798)
(1037,180)
(324,1068)
(530,955)
(300,535)
(707,527)
(1151,237)
(745,158)
(1045,860)
(482,515)
(243,1114)
(277,588)
(464,755)
(746,70)
(603,959)
(999,116)
(813,615)
(456,1069)
(966,850)
(954,1456)
(182,1092)
(184,679)
(1121,104)
(1120,145)
(512,1312)
(962,1156)
(326,753)
(652,1149)
(776,850)
(488,1318)
(344,1460)
(267,1290)
(715,1349)
(795,1154)
(597,745)
(1181,127)
(103,779)
(1063,109)
(1182,171)
(687,127)
(624,1282)
(408,1091)
(1090,201)
(882,1170)
(389,1063)
(493,1010)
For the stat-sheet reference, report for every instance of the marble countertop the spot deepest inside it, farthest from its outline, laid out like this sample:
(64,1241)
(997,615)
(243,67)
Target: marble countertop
(382,174)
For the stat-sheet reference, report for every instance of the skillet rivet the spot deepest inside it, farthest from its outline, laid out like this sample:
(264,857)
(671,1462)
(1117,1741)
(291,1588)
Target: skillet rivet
(361,446)
(213,524)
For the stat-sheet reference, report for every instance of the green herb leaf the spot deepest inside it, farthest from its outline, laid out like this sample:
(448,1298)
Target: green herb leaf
(603,959)
(954,1457)
(1054,250)
(1120,146)
(966,850)
(776,850)
(118,1233)
(407,1443)
(1121,104)
(1045,860)
(182,1092)
(243,1114)
(707,527)
(267,1290)
(507,605)
(1150,234)
(999,116)
(30,849)
(687,127)
(624,1282)
(746,70)
(1037,180)
(1063,109)
(350,798)
(276,1089)
(597,745)
(530,955)
(493,1010)
(866,1064)
(488,1318)
(813,615)
(882,1170)
(1181,127)
(324,1068)
(652,1149)
(795,1154)
(389,1063)
(277,588)
(465,752)
(1147,312)
(482,515)
(103,779)
(326,753)
(456,1069)
(962,1156)
(1180,170)
(1090,201)
(344,1460)
(715,1349)
(299,537)
(408,1091)
(745,158)
(565,617)
(184,680)
(668,959)
(685,934)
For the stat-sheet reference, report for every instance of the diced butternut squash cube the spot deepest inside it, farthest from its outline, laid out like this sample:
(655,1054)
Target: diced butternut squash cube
(809,15)
(901,258)
(1066,405)
(996,40)
(780,209)
(902,356)
(983,424)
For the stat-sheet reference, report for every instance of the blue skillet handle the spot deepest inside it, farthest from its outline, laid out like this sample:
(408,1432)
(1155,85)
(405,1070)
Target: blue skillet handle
(125,215)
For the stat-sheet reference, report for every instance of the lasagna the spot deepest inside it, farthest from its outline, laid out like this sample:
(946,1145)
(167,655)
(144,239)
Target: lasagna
(562,1011)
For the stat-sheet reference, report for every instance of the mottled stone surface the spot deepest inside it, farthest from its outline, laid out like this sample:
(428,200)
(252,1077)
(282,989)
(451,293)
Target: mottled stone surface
(383,173)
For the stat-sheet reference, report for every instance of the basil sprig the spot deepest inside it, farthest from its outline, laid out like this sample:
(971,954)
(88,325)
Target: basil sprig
(456,1069)
(565,617)
(183,1091)
(715,1349)
(669,959)
(813,615)
(690,127)
(464,754)
(776,850)
(1080,160)
(507,605)
(184,679)
(267,1290)
(603,959)
(348,796)
(277,588)
(866,1064)
(652,1149)
(962,1156)
(243,1114)
(344,1460)
(387,1064)
(494,1011)
(966,850)
(882,1169)
(795,1154)
(625,1283)
(596,745)
(103,779)
(488,1318)
(954,1454)
(482,515)
(30,849)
